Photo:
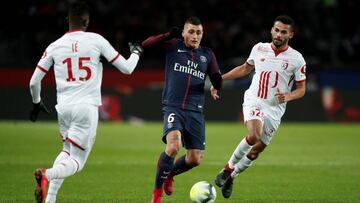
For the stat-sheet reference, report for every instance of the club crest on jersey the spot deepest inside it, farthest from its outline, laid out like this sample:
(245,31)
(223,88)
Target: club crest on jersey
(285,64)
(203,59)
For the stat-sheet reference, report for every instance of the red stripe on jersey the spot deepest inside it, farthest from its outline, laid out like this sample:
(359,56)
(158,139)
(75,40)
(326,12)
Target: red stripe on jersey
(42,69)
(267,84)
(186,91)
(300,80)
(75,144)
(276,79)
(263,85)
(260,82)
(117,56)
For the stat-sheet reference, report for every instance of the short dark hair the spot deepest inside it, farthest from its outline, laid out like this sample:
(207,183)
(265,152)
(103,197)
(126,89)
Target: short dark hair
(193,20)
(78,9)
(286,20)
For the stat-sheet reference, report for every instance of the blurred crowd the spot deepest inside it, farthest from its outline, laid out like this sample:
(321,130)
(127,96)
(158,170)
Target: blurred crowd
(327,31)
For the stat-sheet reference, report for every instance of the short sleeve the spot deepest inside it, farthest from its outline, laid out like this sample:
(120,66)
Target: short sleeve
(251,59)
(300,71)
(47,59)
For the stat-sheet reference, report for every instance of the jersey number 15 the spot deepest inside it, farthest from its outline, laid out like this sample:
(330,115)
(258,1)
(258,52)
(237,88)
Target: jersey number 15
(80,61)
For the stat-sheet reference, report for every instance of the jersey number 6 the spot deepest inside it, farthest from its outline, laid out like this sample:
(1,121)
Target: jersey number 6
(70,77)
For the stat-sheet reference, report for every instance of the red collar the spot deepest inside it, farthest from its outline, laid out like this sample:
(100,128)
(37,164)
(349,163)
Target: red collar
(276,51)
(74,30)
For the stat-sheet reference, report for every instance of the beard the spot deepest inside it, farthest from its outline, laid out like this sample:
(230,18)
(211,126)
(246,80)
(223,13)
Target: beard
(278,43)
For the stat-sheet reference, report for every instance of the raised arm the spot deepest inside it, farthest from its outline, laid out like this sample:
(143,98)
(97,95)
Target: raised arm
(127,66)
(157,39)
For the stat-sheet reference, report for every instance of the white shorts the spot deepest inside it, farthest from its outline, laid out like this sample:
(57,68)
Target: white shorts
(256,111)
(78,124)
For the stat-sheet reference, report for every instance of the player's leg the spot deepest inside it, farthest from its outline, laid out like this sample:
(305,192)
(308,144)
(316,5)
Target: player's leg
(55,184)
(41,179)
(268,130)
(172,128)
(165,163)
(192,159)
(253,118)
(194,141)
(80,137)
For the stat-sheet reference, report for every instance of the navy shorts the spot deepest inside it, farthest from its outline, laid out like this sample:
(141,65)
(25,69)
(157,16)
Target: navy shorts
(191,124)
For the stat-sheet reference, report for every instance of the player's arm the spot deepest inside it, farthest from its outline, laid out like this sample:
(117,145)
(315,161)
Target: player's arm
(214,73)
(238,71)
(35,89)
(161,38)
(127,66)
(295,94)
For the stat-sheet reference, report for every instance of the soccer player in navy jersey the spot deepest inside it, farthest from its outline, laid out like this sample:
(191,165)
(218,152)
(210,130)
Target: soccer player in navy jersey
(186,66)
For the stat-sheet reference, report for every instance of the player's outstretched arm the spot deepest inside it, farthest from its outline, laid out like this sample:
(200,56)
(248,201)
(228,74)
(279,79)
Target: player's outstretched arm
(174,32)
(128,66)
(238,71)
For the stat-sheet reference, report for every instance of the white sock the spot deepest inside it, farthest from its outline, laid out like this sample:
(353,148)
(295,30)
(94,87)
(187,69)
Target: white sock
(243,164)
(54,187)
(55,184)
(64,169)
(242,149)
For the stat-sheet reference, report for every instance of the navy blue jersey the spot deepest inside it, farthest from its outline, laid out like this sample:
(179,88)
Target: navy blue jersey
(185,73)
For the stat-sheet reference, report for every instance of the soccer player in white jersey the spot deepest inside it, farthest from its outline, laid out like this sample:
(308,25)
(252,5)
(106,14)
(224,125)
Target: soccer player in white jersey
(277,66)
(78,73)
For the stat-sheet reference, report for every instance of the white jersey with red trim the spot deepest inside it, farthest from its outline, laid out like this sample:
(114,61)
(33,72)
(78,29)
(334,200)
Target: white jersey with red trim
(274,71)
(77,66)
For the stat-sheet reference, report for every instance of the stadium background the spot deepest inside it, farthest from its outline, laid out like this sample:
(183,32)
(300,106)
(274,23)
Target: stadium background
(327,34)
(308,161)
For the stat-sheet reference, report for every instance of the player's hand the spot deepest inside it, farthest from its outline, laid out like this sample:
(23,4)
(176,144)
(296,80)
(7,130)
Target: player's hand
(280,96)
(136,48)
(214,94)
(37,108)
(175,32)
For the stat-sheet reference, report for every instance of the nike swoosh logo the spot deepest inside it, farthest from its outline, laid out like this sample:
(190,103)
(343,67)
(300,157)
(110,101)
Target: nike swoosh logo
(180,50)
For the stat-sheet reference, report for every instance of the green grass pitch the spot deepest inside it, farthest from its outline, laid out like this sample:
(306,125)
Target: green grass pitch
(304,163)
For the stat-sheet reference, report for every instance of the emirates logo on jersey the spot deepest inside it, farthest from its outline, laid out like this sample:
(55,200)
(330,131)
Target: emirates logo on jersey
(285,64)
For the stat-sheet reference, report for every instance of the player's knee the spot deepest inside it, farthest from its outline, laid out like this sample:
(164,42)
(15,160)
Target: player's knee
(254,154)
(172,149)
(194,160)
(253,138)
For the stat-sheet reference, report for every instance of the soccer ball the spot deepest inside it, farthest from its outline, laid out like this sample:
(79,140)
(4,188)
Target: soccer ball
(203,192)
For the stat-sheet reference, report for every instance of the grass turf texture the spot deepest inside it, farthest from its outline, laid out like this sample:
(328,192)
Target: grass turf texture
(304,163)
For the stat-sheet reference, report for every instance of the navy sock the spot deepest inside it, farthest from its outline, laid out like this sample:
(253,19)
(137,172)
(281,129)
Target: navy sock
(165,164)
(180,166)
